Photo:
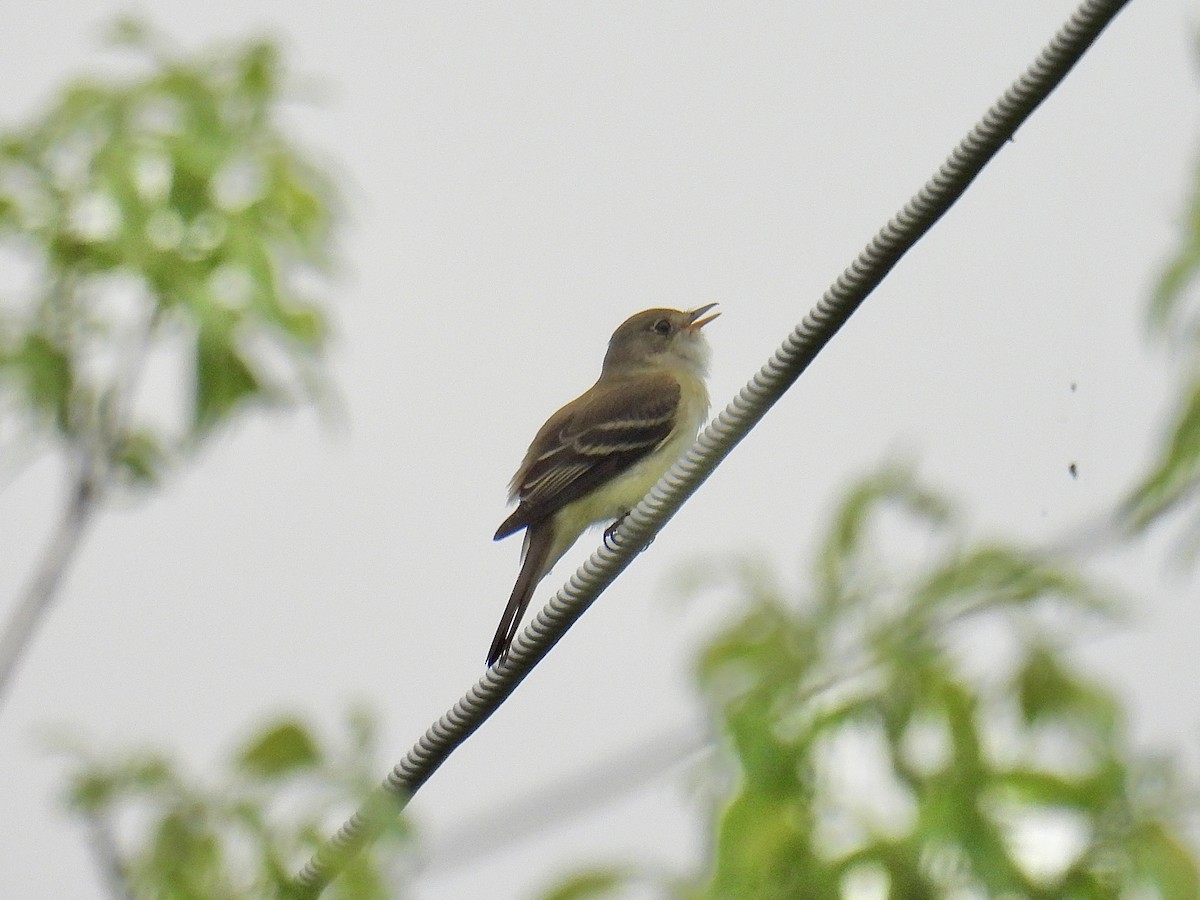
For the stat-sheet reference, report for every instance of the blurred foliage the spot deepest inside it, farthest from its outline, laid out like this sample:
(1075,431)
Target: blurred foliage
(165,215)
(1175,315)
(167,835)
(914,727)
(591,884)
(922,733)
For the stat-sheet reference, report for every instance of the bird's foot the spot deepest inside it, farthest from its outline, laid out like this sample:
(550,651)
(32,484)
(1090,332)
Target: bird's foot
(610,533)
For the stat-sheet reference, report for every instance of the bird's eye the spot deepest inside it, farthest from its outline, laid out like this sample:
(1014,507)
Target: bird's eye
(662,326)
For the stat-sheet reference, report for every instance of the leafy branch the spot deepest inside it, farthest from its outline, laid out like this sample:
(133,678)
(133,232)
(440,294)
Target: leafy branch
(170,224)
(240,837)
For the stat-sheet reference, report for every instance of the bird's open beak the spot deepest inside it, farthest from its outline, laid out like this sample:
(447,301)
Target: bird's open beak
(695,323)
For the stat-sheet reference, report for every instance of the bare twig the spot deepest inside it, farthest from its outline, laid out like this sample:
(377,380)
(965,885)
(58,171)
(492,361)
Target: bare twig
(37,597)
(97,445)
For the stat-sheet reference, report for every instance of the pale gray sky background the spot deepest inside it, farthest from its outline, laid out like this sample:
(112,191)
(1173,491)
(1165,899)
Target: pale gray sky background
(521,178)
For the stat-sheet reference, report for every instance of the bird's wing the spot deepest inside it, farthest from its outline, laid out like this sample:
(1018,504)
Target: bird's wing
(584,445)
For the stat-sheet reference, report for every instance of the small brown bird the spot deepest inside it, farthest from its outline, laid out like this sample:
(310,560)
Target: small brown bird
(597,457)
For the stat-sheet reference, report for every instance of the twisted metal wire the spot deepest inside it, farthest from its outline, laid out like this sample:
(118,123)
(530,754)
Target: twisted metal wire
(715,443)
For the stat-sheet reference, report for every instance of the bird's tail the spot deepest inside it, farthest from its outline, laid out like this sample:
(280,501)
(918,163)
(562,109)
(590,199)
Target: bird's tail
(539,541)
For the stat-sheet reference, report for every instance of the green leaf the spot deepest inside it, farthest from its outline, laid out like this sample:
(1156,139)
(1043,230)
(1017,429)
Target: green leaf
(765,850)
(141,457)
(1177,472)
(364,878)
(129,31)
(1042,686)
(1180,272)
(97,786)
(186,857)
(223,381)
(259,66)
(585,885)
(1048,691)
(848,569)
(46,372)
(1167,863)
(1174,279)
(997,575)
(280,750)
(304,324)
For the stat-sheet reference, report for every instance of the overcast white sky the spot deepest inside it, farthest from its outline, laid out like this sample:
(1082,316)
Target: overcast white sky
(521,178)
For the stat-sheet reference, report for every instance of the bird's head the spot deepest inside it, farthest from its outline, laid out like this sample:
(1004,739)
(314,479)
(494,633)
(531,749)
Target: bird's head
(657,338)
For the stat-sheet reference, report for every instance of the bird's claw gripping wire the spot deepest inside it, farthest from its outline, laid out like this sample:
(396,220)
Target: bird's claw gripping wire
(610,533)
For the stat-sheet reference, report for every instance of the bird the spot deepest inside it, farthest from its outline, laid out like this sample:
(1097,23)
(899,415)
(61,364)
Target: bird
(595,458)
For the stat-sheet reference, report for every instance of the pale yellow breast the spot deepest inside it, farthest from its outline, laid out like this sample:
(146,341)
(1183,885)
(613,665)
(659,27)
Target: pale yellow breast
(615,499)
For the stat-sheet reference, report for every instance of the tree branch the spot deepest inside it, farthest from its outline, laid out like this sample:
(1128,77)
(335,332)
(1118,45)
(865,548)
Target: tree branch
(36,599)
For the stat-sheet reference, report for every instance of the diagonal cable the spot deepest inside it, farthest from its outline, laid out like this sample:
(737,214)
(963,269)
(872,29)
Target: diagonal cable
(783,368)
